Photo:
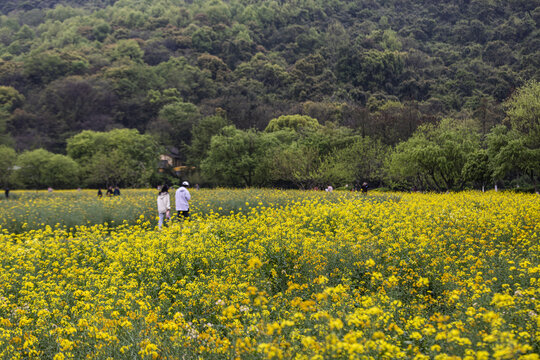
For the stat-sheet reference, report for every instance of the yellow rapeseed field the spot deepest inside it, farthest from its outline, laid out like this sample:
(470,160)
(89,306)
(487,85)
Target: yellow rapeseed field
(269,274)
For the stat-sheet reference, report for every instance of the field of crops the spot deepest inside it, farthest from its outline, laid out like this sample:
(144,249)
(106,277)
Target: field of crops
(268,274)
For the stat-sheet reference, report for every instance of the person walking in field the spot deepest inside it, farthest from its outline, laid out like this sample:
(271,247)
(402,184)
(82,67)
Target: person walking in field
(163,205)
(182,198)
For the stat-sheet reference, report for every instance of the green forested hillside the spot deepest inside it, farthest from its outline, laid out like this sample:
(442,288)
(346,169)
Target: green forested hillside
(378,67)
(8,6)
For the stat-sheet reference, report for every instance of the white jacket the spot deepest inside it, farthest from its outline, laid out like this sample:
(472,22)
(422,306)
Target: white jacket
(163,203)
(182,198)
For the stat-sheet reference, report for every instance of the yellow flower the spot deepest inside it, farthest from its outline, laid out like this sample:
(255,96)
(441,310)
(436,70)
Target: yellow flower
(370,263)
(502,300)
(336,324)
(229,311)
(254,263)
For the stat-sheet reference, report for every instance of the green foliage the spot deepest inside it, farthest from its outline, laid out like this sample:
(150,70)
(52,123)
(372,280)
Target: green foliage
(8,157)
(61,172)
(10,98)
(202,133)
(477,170)
(370,68)
(294,122)
(193,83)
(274,53)
(123,157)
(296,164)
(523,110)
(380,68)
(516,155)
(510,155)
(175,123)
(43,67)
(434,157)
(40,169)
(361,161)
(523,152)
(127,49)
(238,158)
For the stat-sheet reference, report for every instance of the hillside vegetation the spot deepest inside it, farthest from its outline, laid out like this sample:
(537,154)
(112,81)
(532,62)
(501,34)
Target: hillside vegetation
(164,67)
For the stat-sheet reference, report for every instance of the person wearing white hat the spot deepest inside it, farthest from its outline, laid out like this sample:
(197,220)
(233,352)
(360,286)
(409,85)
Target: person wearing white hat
(182,198)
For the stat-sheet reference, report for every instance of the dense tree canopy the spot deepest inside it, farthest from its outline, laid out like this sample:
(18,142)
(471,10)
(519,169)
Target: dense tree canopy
(328,80)
(39,169)
(8,157)
(257,60)
(119,157)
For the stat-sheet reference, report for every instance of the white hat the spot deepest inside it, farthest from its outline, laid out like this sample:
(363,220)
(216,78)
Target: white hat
(185,183)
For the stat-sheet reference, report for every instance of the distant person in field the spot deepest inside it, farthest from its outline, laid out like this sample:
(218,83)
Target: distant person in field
(330,188)
(116,191)
(109,191)
(6,192)
(163,205)
(99,193)
(182,198)
(364,188)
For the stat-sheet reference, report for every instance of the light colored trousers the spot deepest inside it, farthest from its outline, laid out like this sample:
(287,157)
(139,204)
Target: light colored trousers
(162,217)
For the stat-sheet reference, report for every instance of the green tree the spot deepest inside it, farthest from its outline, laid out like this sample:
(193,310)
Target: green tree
(193,83)
(10,99)
(61,172)
(202,134)
(510,156)
(111,168)
(477,169)
(127,49)
(434,157)
(123,156)
(175,124)
(238,158)
(30,174)
(5,116)
(361,161)
(39,169)
(311,154)
(272,76)
(294,122)
(44,67)
(372,69)
(296,164)
(523,112)
(215,65)
(73,103)
(8,158)
(516,155)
